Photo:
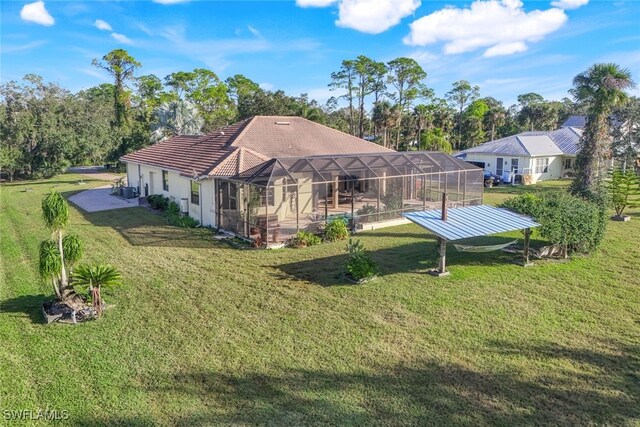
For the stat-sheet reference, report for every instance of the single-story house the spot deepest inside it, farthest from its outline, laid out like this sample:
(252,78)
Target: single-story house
(535,156)
(267,177)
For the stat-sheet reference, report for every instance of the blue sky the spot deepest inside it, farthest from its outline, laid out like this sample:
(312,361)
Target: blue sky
(507,47)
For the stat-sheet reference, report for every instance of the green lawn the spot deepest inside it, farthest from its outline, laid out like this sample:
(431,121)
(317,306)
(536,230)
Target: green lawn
(205,334)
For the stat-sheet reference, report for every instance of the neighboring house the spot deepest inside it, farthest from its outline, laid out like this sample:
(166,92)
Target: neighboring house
(536,156)
(269,176)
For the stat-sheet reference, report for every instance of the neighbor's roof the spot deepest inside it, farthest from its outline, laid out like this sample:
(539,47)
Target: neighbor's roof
(550,143)
(470,221)
(575,122)
(235,148)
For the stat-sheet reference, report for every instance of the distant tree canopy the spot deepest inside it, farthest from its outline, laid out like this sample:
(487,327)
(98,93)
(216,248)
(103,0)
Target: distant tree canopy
(44,127)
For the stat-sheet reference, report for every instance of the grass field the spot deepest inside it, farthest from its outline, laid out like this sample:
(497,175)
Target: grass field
(205,334)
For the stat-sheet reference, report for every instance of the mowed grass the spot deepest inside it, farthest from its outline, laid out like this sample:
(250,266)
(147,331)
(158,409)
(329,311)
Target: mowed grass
(206,334)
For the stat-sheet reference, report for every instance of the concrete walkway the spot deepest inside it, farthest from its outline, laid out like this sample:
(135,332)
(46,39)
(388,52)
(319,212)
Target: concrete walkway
(100,199)
(95,172)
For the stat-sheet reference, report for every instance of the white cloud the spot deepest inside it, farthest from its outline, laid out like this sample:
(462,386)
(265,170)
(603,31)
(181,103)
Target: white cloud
(503,27)
(315,3)
(102,25)
(36,12)
(170,1)
(502,49)
(7,48)
(374,16)
(121,38)
(253,31)
(569,4)
(266,86)
(367,16)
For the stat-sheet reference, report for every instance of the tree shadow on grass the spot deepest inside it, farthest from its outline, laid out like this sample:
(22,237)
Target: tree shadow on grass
(418,257)
(596,387)
(25,305)
(52,183)
(141,227)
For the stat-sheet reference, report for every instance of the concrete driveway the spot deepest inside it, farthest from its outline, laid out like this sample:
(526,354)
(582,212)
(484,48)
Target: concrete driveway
(100,199)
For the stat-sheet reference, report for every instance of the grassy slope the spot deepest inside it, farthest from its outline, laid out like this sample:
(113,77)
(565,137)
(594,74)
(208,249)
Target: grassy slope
(204,334)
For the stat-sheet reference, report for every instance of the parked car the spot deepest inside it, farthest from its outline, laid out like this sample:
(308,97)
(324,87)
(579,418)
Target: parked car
(491,179)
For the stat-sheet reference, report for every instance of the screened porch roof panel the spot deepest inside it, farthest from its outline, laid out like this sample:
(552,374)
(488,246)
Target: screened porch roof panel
(354,166)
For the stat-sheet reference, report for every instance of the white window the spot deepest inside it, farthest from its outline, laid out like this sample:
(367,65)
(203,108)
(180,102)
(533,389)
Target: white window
(542,165)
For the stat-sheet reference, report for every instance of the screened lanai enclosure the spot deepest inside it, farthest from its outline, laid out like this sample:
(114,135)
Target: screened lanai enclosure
(271,202)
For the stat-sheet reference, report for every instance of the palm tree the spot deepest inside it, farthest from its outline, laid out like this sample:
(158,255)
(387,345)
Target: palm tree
(49,266)
(55,212)
(601,87)
(96,277)
(176,118)
(384,115)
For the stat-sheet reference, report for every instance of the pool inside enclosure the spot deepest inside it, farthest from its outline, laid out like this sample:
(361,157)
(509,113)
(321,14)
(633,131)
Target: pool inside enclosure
(273,201)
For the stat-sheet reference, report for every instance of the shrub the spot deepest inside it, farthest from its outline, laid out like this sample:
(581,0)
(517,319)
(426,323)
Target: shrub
(172,213)
(304,238)
(173,209)
(567,220)
(158,201)
(359,265)
(622,187)
(336,230)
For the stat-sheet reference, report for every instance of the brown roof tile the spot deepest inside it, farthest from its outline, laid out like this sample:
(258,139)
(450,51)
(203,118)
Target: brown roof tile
(246,144)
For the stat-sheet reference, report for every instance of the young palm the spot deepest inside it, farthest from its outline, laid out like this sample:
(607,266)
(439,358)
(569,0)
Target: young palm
(50,263)
(96,277)
(602,87)
(55,212)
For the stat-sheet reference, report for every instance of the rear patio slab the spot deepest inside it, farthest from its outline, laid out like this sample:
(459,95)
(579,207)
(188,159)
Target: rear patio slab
(100,199)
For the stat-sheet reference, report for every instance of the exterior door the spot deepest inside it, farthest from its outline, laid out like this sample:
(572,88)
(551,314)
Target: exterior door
(514,166)
(499,166)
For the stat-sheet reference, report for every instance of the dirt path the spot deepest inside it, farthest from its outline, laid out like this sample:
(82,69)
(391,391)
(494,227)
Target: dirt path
(95,172)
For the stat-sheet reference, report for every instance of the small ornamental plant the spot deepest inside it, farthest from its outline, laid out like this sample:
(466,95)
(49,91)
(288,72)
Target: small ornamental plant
(359,267)
(623,187)
(336,230)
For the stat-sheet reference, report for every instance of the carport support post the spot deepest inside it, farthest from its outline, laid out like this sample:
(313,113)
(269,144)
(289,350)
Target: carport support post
(525,252)
(442,259)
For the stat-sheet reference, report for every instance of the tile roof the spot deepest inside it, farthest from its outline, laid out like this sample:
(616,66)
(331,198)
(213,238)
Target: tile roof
(538,143)
(244,145)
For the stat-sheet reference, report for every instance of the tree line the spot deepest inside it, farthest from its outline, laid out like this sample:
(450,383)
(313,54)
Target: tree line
(45,128)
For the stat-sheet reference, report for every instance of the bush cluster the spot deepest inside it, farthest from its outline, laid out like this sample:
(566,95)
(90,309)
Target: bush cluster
(171,211)
(158,201)
(303,239)
(336,230)
(359,266)
(565,219)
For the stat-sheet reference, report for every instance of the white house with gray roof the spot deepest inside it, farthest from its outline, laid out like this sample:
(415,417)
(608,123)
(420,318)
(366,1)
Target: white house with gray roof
(536,156)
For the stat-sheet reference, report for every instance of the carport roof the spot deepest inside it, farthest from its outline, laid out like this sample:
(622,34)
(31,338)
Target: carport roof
(470,221)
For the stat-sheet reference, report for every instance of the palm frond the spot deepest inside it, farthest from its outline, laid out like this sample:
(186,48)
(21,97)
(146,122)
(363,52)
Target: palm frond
(55,211)
(101,275)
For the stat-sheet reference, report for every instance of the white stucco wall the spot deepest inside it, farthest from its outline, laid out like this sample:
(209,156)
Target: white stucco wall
(526,165)
(179,188)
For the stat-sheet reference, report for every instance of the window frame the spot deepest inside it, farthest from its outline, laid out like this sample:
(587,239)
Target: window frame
(195,195)
(165,180)
(542,165)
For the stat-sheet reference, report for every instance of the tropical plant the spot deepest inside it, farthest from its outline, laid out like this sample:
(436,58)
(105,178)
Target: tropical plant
(622,187)
(359,266)
(73,249)
(94,278)
(336,230)
(176,118)
(50,263)
(303,239)
(55,213)
(601,87)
